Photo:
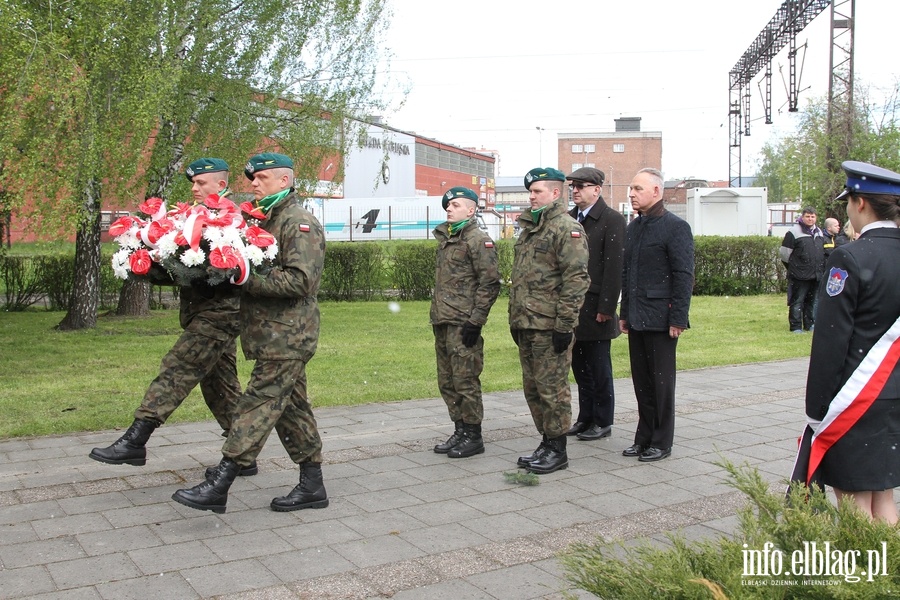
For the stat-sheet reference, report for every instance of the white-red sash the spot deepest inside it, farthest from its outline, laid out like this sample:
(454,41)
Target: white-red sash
(856,396)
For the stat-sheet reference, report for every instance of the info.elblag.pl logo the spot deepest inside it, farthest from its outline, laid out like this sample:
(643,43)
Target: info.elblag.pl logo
(811,564)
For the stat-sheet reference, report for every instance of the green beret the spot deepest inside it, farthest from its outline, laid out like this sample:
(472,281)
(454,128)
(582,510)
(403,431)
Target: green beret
(205,165)
(543,174)
(458,192)
(267,160)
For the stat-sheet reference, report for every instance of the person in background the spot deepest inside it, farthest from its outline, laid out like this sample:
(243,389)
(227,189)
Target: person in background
(467,282)
(833,235)
(598,323)
(803,254)
(853,385)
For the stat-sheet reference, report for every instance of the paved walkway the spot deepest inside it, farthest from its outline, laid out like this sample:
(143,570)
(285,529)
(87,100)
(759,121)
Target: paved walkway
(404,522)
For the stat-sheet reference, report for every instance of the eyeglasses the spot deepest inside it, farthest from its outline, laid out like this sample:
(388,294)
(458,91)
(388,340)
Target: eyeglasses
(581,186)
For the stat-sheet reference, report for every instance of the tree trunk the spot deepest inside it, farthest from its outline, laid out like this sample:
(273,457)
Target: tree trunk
(134,298)
(86,286)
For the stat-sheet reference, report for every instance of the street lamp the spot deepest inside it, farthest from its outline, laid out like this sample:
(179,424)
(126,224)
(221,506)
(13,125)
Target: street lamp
(540,145)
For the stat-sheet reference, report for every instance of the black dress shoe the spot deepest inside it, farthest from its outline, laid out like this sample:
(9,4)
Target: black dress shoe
(652,454)
(577,428)
(633,451)
(595,433)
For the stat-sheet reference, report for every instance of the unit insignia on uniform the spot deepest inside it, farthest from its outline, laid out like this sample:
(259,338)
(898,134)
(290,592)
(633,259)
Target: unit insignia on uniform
(836,280)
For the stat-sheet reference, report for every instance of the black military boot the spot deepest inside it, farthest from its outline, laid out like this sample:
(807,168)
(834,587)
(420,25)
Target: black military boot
(452,440)
(210,494)
(128,449)
(524,461)
(309,493)
(253,469)
(554,459)
(471,443)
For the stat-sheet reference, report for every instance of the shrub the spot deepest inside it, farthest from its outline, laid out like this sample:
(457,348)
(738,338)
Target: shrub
(412,269)
(21,281)
(737,266)
(715,568)
(505,254)
(56,279)
(352,270)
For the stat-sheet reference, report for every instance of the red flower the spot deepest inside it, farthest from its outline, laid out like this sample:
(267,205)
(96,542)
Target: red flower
(140,262)
(159,229)
(181,208)
(150,206)
(123,224)
(216,202)
(224,258)
(259,236)
(180,239)
(254,211)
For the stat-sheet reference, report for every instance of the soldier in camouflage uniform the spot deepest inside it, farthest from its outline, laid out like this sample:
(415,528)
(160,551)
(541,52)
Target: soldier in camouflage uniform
(280,330)
(549,281)
(204,354)
(466,285)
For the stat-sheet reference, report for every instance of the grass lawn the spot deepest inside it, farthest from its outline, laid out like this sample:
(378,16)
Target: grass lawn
(58,382)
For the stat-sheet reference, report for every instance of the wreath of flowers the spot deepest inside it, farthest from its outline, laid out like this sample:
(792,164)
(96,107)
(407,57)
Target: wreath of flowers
(209,242)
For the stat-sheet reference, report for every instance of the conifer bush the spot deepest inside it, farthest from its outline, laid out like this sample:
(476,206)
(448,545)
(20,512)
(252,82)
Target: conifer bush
(715,568)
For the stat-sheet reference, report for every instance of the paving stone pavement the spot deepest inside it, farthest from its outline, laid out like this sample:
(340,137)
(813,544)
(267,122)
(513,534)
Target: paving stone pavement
(403,522)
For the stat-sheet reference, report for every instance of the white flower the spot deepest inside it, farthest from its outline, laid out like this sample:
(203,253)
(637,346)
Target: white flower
(214,235)
(166,245)
(254,255)
(130,239)
(193,258)
(120,271)
(271,252)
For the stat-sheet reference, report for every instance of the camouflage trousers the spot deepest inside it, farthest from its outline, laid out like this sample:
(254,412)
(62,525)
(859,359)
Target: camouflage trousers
(458,372)
(275,398)
(195,359)
(545,379)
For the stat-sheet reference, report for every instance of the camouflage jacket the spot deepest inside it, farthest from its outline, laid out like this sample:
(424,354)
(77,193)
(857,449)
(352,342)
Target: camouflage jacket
(211,311)
(466,281)
(279,311)
(550,271)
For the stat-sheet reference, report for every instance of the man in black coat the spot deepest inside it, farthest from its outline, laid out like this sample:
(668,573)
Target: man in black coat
(803,253)
(598,323)
(657,282)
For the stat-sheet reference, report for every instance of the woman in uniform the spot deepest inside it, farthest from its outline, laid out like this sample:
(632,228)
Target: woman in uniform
(853,388)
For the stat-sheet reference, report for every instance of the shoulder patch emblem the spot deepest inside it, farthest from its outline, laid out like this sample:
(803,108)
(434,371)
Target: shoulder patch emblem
(304,228)
(489,244)
(836,280)
(576,234)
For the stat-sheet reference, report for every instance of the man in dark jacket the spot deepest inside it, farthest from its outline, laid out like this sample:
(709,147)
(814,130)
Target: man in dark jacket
(834,236)
(598,323)
(466,285)
(803,254)
(657,282)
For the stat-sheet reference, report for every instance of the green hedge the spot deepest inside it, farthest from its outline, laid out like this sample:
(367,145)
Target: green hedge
(725,266)
(737,266)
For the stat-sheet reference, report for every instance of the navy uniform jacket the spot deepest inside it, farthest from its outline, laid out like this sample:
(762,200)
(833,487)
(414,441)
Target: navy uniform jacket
(848,323)
(605,231)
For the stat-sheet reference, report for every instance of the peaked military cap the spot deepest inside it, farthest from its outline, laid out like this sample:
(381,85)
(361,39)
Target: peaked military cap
(587,175)
(863,178)
(543,174)
(267,160)
(205,165)
(458,192)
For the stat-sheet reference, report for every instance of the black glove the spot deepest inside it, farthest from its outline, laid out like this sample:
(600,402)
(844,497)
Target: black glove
(470,334)
(561,341)
(515,335)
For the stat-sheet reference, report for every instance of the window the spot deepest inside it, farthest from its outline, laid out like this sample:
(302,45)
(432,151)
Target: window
(575,167)
(589,148)
(618,147)
(577,148)
(591,165)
